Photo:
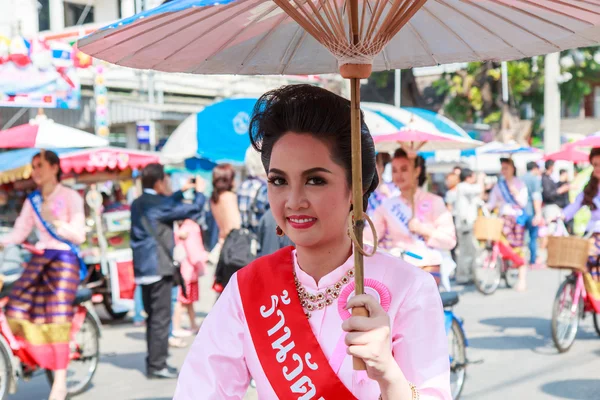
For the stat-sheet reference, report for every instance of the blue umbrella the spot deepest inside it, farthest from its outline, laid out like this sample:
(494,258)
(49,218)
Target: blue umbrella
(223,130)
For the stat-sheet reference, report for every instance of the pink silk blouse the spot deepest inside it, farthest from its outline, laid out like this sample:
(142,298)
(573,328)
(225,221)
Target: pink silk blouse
(429,209)
(222,359)
(66,206)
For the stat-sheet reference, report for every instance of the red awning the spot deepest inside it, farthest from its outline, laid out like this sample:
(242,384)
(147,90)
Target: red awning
(106,158)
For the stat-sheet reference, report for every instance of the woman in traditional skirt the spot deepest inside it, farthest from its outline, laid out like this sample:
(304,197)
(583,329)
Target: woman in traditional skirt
(430,233)
(40,306)
(285,319)
(510,197)
(590,197)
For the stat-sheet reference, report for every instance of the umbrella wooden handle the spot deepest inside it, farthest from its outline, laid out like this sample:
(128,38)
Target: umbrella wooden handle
(358,363)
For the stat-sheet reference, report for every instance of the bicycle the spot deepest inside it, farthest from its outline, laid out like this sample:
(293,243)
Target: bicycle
(572,302)
(494,263)
(17,363)
(457,338)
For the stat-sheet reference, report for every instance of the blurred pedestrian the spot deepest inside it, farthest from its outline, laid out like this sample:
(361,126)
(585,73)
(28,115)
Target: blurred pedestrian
(152,241)
(252,193)
(551,196)
(270,236)
(510,195)
(452,181)
(384,190)
(189,251)
(533,210)
(468,192)
(224,208)
(40,307)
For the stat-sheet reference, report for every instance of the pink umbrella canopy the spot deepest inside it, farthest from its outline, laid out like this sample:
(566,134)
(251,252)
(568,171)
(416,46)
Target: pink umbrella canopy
(44,133)
(590,141)
(416,139)
(568,153)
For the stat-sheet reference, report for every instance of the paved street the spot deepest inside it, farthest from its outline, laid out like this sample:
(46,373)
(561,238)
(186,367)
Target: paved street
(509,336)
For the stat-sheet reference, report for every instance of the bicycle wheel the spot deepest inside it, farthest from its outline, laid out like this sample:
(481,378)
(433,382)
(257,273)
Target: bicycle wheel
(116,315)
(511,275)
(597,323)
(565,316)
(5,370)
(85,354)
(487,271)
(458,359)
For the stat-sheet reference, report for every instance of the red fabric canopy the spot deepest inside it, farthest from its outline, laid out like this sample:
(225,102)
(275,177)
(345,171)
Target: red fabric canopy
(106,158)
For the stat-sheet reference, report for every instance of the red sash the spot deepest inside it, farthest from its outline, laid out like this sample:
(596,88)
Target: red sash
(287,349)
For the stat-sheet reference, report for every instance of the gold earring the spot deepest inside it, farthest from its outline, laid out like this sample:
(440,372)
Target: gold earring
(279,231)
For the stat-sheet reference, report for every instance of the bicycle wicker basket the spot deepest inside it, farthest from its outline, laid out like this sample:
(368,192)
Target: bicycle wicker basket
(488,228)
(568,252)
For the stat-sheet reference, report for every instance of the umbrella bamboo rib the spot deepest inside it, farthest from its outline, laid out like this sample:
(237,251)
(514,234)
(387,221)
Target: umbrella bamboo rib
(181,28)
(262,41)
(236,33)
(308,24)
(290,51)
(423,43)
(520,27)
(362,18)
(406,16)
(375,17)
(153,19)
(337,25)
(453,33)
(503,3)
(317,18)
(485,28)
(591,2)
(397,7)
(569,4)
(166,36)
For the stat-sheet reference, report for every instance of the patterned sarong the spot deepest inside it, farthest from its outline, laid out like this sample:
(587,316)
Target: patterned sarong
(513,232)
(40,307)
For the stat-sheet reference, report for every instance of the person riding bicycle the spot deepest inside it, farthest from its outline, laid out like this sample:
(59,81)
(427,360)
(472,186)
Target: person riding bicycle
(40,306)
(510,196)
(431,233)
(590,197)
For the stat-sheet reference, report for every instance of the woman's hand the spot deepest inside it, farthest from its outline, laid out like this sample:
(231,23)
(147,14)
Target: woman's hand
(419,228)
(368,338)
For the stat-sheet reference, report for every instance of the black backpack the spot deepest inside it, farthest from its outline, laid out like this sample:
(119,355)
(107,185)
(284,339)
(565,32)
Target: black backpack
(239,249)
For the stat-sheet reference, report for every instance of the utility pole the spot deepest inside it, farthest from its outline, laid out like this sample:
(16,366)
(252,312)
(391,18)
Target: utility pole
(398,88)
(551,103)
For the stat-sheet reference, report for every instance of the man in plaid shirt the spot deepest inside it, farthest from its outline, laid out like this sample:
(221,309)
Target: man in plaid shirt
(252,193)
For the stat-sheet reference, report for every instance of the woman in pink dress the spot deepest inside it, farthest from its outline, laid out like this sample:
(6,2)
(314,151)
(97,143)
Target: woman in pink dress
(40,306)
(510,197)
(430,234)
(284,319)
(189,250)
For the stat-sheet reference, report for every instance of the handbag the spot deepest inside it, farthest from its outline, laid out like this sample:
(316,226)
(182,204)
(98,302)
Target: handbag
(177,277)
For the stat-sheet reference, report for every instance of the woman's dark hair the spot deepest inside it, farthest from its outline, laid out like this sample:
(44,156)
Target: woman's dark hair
(223,176)
(317,112)
(591,189)
(510,162)
(383,159)
(465,174)
(52,159)
(419,162)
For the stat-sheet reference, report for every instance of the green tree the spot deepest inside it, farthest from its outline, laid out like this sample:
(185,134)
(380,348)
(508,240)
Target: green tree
(475,93)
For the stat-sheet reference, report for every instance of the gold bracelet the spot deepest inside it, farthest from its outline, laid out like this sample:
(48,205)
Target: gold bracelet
(413,389)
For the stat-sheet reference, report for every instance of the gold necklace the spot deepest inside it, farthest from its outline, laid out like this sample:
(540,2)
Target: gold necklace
(320,300)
